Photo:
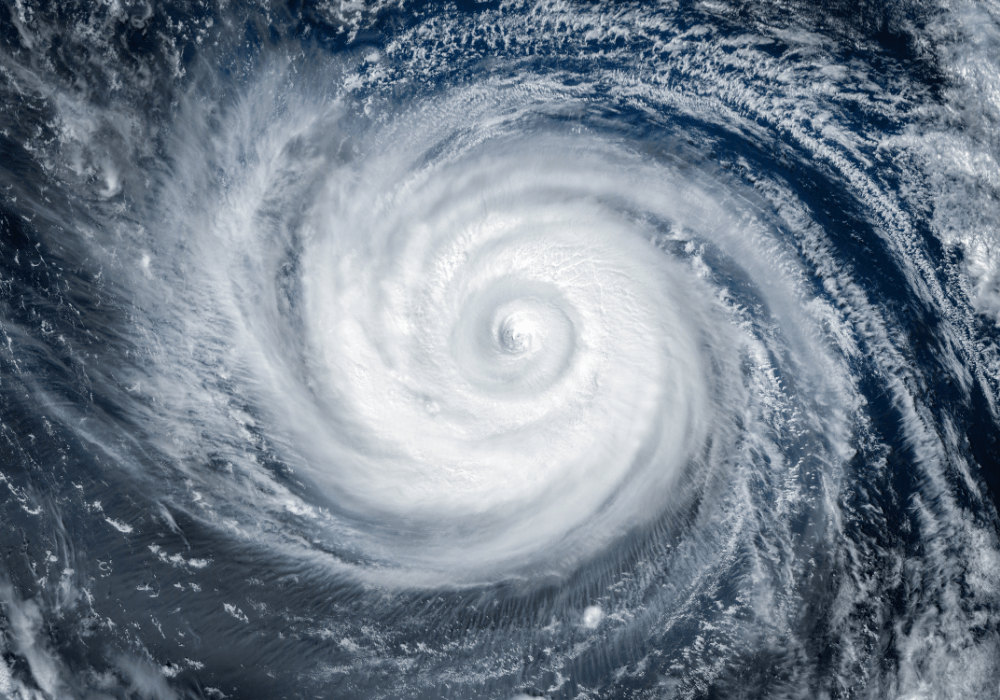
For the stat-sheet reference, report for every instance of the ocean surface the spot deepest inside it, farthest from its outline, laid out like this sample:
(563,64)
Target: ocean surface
(503,349)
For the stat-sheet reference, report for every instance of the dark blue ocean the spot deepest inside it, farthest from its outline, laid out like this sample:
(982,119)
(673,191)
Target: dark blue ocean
(507,349)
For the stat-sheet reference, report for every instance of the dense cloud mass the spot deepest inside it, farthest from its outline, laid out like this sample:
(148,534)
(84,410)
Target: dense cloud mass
(499,350)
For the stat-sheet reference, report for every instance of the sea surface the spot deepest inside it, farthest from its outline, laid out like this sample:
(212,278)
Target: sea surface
(504,349)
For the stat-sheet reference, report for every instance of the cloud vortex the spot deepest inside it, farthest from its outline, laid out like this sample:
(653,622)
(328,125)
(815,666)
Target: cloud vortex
(609,351)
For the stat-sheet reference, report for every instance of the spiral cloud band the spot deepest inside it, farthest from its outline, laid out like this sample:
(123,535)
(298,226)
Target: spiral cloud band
(494,355)
(516,350)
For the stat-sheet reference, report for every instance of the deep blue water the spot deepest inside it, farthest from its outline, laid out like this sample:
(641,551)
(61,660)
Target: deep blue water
(499,350)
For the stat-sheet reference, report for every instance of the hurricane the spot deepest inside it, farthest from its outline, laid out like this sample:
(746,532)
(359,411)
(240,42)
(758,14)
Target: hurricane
(505,349)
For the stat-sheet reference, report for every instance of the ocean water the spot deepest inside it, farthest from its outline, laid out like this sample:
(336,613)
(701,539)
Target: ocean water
(573,350)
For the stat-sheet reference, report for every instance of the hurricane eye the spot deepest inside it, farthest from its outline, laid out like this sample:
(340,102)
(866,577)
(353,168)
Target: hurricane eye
(519,333)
